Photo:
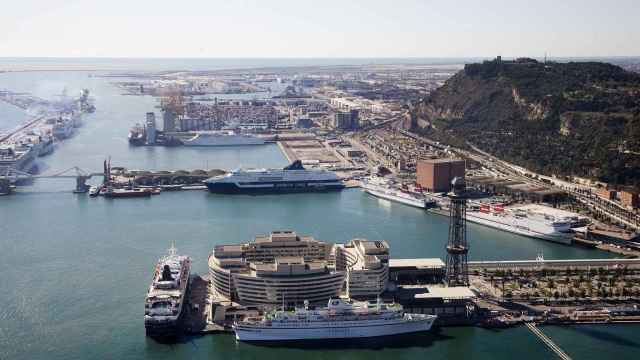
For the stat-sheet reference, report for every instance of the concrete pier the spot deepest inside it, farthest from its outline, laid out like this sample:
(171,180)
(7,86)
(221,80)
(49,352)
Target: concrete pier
(196,312)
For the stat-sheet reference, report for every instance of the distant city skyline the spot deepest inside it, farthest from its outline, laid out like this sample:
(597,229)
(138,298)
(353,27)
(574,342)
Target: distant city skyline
(297,29)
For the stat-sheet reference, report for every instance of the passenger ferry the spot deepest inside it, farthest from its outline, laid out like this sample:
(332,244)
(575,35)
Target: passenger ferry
(164,305)
(522,221)
(339,320)
(292,178)
(383,188)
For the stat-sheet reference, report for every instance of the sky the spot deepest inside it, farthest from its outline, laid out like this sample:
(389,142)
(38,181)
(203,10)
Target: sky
(326,28)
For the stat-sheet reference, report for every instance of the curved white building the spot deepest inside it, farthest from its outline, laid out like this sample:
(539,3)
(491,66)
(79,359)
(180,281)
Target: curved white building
(280,267)
(284,267)
(366,264)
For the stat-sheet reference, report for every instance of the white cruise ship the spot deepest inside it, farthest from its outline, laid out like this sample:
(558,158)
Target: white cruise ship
(292,178)
(383,188)
(19,156)
(339,320)
(61,128)
(48,145)
(522,221)
(164,305)
(222,138)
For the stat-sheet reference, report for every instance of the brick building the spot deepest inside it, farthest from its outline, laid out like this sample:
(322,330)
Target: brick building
(435,175)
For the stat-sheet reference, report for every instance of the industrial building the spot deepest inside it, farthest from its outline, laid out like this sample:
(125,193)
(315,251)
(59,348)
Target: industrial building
(435,175)
(151,128)
(346,120)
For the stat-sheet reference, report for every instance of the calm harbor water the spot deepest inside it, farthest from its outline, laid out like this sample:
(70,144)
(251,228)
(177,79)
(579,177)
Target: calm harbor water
(75,270)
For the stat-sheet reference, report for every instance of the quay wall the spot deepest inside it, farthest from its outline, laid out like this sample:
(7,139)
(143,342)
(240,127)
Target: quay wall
(573,263)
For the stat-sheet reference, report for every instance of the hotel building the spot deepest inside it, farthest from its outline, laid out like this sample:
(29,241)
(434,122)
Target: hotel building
(283,267)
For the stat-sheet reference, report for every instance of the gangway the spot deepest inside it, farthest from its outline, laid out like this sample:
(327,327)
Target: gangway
(547,341)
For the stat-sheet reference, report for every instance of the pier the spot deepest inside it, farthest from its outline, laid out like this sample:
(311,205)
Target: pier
(547,341)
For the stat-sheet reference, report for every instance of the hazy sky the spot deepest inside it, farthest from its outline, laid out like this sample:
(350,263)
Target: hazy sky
(324,28)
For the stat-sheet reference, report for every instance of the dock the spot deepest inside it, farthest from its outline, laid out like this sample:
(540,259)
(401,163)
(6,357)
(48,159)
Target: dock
(196,312)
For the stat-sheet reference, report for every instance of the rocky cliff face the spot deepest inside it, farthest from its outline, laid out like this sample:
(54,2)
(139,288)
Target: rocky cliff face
(578,119)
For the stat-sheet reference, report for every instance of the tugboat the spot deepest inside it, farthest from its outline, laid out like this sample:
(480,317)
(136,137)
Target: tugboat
(137,135)
(164,305)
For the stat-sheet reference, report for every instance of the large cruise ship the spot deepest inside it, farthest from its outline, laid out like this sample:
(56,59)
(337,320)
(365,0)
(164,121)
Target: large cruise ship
(164,305)
(222,138)
(383,188)
(292,178)
(523,221)
(19,156)
(339,320)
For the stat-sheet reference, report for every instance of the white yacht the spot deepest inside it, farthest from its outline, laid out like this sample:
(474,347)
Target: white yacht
(292,178)
(164,305)
(383,188)
(522,221)
(339,320)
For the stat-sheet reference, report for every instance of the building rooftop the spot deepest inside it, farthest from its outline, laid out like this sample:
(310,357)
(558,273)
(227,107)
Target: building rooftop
(454,292)
(440,160)
(423,263)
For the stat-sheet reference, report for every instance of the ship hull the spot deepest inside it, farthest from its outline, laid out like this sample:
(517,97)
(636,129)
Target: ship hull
(289,187)
(411,202)
(127,194)
(164,330)
(256,333)
(560,238)
(47,149)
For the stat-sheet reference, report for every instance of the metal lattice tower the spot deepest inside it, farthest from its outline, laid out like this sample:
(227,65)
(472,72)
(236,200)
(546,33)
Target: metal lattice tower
(457,248)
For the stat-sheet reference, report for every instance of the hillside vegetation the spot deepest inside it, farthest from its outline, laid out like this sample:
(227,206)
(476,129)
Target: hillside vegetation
(580,119)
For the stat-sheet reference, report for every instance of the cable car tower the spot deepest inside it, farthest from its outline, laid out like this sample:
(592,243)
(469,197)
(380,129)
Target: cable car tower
(457,247)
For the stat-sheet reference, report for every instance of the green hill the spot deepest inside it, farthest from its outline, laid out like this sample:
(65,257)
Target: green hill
(579,119)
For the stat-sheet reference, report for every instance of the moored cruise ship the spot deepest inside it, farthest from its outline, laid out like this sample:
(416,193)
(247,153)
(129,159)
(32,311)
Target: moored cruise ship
(522,221)
(164,305)
(292,178)
(222,138)
(383,189)
(19,156)
(339,320)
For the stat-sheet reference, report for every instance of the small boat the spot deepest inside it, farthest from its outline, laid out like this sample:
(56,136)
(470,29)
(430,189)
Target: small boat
(126,193)
(94,191)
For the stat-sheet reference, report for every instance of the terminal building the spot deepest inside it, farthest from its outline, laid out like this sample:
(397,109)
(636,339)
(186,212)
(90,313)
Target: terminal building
(283,267)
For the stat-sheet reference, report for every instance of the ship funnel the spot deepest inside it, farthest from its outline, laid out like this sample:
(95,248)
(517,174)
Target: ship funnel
(166,273)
